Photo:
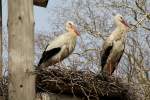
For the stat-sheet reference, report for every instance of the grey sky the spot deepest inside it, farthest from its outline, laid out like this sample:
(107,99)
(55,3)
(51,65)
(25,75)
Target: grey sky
(44,17)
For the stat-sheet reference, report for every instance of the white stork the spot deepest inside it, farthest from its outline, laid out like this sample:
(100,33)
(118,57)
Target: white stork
(113,46)
(61,47)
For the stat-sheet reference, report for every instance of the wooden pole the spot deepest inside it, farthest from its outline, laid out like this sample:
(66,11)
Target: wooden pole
(21,50)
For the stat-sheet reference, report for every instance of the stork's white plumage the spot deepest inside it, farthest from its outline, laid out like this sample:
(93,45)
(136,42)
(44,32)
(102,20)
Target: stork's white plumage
(61,47)
(113,46)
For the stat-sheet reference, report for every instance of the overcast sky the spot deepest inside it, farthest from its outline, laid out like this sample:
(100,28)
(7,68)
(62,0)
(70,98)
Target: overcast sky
(44,17)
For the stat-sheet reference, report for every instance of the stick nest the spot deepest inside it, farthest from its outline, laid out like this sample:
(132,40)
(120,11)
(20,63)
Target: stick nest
(84,84)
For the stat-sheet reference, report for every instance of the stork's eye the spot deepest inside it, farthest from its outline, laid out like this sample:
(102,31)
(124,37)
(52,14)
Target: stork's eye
(69,23)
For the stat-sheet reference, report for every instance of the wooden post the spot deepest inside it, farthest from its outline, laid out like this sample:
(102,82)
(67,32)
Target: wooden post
(21,50)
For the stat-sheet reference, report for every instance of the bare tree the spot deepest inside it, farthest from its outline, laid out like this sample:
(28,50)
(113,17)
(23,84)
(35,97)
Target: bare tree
(21,50)
(1,39)
(1,98)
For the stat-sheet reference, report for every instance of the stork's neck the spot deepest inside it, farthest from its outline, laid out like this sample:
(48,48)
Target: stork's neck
(118,33)
(71,31)
(119,30)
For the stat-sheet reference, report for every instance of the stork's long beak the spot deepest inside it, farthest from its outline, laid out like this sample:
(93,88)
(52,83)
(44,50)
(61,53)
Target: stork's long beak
(76,31)
(125,23)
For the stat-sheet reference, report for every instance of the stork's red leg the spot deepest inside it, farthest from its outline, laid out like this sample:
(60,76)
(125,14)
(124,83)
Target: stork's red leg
(110,69)
(59,63)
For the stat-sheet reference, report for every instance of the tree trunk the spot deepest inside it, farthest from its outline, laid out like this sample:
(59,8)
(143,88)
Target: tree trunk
(0,39)
(21,50)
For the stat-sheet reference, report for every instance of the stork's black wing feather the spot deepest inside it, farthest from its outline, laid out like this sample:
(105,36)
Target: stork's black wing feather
(48,54)
(105,53)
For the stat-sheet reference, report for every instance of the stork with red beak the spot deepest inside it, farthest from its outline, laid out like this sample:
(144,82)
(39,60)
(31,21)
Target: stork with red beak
(61,47)
(113,46)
